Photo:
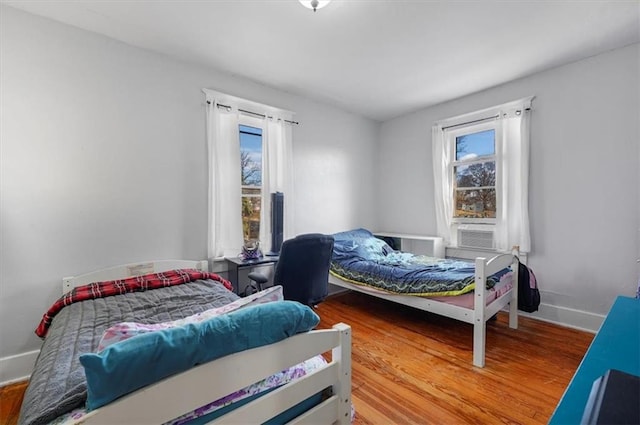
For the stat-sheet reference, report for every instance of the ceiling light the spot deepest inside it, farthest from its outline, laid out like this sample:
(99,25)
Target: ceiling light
(314,4)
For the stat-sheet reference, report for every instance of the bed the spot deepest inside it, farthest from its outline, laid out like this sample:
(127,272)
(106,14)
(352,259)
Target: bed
(168,342)
(469,292)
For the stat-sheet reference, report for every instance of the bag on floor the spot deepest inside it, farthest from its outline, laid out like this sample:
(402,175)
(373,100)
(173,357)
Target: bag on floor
(528,293)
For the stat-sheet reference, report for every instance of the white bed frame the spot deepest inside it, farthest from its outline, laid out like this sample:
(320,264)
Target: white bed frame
(161,402)
(480,313)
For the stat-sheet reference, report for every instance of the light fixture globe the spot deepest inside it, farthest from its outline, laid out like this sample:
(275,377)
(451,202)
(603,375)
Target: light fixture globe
(314,4)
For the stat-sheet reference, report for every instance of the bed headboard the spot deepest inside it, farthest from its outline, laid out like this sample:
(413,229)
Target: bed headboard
(132,269)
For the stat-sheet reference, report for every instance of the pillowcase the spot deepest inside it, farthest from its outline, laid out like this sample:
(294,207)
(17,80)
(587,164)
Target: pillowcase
(373,248)
(137,362)
(359,243)
(125,330)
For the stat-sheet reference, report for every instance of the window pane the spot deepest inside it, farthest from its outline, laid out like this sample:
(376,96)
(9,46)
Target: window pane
(251,155)
(251,180)
(251,217)
(475,145)
(476,203)
(476,175)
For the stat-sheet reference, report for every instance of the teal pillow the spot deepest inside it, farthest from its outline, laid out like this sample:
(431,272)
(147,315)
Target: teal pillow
(147,358)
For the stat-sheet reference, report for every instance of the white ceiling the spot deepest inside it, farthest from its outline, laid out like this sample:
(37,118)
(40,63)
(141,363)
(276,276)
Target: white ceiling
(380,59)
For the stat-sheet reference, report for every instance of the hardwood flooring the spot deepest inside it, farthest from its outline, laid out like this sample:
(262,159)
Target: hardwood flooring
(411,367)
(10,401)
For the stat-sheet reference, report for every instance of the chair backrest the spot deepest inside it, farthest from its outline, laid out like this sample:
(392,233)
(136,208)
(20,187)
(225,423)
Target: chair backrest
(303,268)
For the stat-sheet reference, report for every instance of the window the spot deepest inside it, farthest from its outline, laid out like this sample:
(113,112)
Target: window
(481,176)
(474,174)
(251,181)
(239,213)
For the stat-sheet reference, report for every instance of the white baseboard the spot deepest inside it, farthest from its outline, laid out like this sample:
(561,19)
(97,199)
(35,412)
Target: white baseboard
(568,317)
(17,368)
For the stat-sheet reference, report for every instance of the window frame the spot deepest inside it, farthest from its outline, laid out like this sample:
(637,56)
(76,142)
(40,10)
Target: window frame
(450,136)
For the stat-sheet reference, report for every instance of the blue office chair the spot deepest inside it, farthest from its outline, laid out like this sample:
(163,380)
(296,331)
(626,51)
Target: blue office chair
(302,269)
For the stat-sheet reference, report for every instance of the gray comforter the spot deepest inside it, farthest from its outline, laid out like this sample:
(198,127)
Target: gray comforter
(58,384)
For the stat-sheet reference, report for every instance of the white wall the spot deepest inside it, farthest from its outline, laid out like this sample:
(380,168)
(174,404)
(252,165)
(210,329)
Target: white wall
(584,179)
(103,163)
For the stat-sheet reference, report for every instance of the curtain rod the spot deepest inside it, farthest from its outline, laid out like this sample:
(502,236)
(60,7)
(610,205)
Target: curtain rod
(219,105)
(480,120)
(471,122)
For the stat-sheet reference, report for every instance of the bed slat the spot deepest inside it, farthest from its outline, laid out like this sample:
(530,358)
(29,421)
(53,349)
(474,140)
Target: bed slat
(270,405)
(323,413)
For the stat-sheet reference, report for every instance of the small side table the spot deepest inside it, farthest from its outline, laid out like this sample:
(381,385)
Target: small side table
(237,263)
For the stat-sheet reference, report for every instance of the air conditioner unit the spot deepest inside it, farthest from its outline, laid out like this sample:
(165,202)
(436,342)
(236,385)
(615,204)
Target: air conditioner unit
(475,237)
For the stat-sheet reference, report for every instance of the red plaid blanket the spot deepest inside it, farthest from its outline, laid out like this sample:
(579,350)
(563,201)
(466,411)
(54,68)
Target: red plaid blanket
(122,286)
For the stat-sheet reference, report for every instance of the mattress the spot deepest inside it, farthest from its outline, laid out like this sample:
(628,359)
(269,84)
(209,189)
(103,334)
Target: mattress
(362,259)
(504,284)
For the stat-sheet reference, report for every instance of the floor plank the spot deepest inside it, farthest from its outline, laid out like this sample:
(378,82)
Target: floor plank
(411,367)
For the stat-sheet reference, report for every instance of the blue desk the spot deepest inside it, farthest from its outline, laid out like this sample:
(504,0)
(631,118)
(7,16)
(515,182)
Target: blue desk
(616,346)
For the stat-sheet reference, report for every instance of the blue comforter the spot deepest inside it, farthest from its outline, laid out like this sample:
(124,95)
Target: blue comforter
(361,258)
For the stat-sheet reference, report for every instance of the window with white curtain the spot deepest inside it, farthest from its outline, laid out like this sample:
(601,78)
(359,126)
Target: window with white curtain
(481,167)
(249,155)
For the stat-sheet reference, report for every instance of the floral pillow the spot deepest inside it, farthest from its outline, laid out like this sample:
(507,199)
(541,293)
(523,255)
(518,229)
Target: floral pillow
(125,330)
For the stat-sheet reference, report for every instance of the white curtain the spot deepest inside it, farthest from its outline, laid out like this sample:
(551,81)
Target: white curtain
(443,181)
(225,196)
(277,176)
(512,212)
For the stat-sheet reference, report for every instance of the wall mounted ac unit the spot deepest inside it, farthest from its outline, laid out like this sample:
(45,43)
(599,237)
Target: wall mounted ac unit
(470,236)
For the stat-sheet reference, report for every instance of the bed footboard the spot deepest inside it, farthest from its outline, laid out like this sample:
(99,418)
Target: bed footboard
(158,403)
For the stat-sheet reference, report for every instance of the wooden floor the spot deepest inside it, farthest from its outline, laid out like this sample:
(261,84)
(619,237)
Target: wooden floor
(10,401)
(411,367)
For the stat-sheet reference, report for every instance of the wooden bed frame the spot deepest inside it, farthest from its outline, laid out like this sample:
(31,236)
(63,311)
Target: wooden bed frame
(158,403)
(477,316)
